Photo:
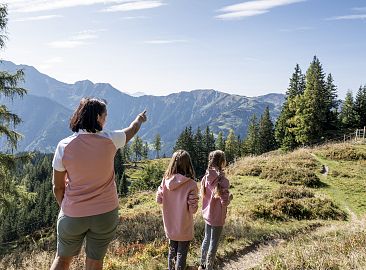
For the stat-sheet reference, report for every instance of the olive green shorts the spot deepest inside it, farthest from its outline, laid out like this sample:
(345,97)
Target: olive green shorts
(98,231)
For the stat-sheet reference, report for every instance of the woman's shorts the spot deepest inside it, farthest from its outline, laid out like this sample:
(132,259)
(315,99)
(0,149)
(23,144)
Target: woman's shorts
(98,231)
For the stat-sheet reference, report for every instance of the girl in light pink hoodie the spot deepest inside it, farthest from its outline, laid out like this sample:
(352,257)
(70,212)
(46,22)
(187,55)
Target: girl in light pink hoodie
(215,199)
(178,193)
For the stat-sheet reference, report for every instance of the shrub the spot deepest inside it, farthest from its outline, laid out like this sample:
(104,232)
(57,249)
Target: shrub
(150,178)
(308,208)
(291,176)
(292,193)
(342,151)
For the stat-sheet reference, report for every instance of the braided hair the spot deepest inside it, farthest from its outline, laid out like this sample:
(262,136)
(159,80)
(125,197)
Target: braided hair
(216,160)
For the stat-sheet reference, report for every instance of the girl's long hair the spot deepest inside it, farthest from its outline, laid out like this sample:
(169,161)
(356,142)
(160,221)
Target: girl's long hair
(180,163)
(216,160)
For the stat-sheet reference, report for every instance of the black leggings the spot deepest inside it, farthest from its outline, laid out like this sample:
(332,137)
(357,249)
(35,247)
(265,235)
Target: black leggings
(177,257)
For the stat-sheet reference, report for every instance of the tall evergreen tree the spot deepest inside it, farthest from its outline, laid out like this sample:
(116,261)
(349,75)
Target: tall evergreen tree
(231,146)
(284,137)
(267,141)
(9,89)
(126,153)
(208,141)
(220,142)
(348,115)
(157,144)
(145,151)
(331,105)
(251,142)
(198,156)
(119,168)
(185,141)
(137,148)
(360,106)
(310,107)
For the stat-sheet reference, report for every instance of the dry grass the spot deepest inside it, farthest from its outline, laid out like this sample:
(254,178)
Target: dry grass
(296,168)
(343,247)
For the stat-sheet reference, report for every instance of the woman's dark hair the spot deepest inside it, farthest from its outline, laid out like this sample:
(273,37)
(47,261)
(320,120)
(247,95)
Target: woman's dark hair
(86,115)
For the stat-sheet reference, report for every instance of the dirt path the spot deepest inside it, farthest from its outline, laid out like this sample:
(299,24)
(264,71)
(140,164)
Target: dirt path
(255,255)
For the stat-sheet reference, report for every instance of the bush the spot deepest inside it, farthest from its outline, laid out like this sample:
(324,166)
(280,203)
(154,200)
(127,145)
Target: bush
(308,208)
(251,170)
(150,179)
(292,193)
(291,176)
(343,151)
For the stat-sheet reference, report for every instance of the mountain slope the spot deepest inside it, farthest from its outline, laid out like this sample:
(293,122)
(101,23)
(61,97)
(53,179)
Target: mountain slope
(168,115)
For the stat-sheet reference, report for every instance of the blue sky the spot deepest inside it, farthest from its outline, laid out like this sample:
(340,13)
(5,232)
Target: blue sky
(163,46)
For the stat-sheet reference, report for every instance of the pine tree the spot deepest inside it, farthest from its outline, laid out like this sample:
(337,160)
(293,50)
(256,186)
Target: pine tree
(284,137)
(157,144)
(266,138)
(137,148)
(308,124)
(185,141)
(360,106)
(251,142)
(331,104)
(220,142)
(123,185)
(198,156)
(208,142)
(348,115)
(8,120)
(231,146)
(239,151)
(145,151)
(126,153)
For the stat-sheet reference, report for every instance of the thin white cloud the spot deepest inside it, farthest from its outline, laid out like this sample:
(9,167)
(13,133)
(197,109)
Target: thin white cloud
(359,9)
(252,8)
(66,44)
(165,41)
(51,62)
(77,40)
(43,5)
(133,17)
(37,18)
(348,17)
(138,5)
(297,29)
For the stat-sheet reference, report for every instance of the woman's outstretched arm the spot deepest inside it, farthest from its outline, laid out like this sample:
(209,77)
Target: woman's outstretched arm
(135,126)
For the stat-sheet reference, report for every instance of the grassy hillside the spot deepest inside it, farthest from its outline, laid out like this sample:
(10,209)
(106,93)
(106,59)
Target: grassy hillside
(275,196)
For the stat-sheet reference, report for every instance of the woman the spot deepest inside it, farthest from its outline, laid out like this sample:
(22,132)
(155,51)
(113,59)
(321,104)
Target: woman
(84,184)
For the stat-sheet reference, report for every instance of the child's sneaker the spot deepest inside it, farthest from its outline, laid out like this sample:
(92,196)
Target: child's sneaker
(201,267)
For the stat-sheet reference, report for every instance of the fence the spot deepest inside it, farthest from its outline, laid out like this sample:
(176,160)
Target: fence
(357,136)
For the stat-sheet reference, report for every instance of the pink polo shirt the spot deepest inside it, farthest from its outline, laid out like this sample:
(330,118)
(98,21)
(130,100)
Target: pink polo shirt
(88,159)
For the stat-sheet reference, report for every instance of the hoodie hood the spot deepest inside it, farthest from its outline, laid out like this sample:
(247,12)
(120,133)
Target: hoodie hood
(212,177)
(176,181)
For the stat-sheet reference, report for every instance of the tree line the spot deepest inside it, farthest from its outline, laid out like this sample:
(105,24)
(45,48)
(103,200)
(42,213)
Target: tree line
(310,114)
(260,139)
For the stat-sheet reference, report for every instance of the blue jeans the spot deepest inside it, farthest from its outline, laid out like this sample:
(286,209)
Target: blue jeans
(209,245)
(177,256)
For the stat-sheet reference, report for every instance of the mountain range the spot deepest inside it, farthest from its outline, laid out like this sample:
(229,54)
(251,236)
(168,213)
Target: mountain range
(47,108)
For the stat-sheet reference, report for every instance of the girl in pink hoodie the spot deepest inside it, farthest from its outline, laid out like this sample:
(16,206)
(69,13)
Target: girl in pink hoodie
(178,193)
(215,199)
